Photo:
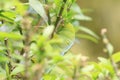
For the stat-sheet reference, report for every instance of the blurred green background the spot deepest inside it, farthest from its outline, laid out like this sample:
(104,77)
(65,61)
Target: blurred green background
(104,14)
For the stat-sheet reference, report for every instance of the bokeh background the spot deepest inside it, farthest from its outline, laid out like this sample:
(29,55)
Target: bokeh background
(104,14)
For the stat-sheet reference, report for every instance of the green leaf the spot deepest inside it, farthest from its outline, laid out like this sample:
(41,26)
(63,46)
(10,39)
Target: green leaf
(58,58)
(3,58)
(67,36)
(41,40)
(38,7)
(78,14)
(88,31)
(58,2)
(88,68)
(82,17)
(2,48)
(110,48)
(105,65)
(103,60)
(10,35)
(9,15)
(116,57)
(85,36)
(7,71)
(2,74)
(48,31)
(18,69)
(18,57)
(20,7)
(49,77)
(76,9)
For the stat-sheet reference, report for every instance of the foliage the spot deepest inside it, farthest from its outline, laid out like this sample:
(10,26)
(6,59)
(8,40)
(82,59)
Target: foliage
(35,41)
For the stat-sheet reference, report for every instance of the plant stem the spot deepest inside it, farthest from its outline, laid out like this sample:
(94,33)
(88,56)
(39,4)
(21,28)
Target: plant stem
(106,42)
(74,73)
(48,13)
(6,44)
(21,32)
(26,51)
(8,54)
(59,17)
(114,67)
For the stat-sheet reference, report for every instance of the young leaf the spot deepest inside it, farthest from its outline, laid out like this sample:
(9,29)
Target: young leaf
(3,58)
(11,35)
(88,31)
(7,72)
(110,48)
(38,7)
(58,58)
(49,77)
(8,15)
(78,14)
(81,17)
(67,35)
(2,74)
(18,69)
(116,57)
(48,31)
(85,36)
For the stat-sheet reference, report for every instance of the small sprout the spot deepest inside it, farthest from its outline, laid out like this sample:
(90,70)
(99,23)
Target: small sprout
(105,40)
(103,31)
